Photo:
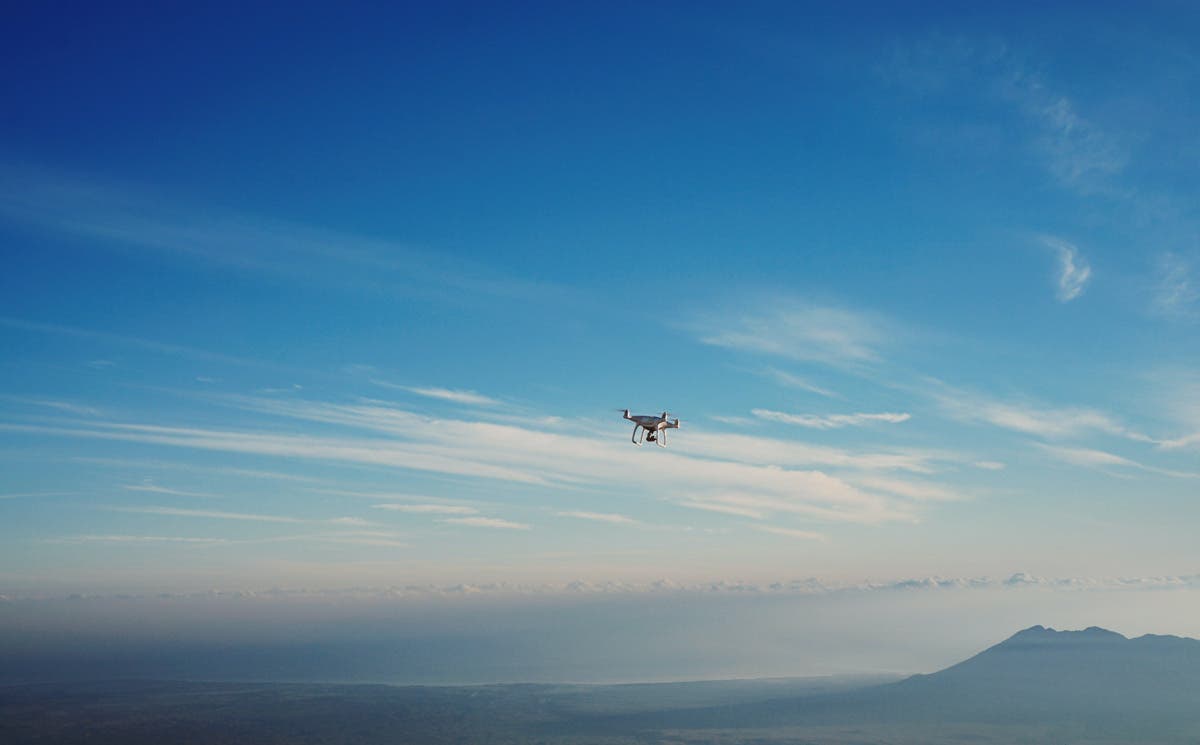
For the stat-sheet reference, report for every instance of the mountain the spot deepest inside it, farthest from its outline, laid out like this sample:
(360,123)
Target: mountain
(1040,674)
(1092,680)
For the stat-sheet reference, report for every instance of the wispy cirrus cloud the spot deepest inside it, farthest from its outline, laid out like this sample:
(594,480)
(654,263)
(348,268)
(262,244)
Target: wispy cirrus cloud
(350,521)
(67,407)
(156,489)
(34,494)
(809,535)
(914,489)
(1178,399)
(1029,417)
(486,522)
(352,538)
(990,465)
(1186,441)
(1092,458)
(470,398)
(372,451)
(800,331)
(128,215)
(150,345)
(561,454)
(136,539)
(145,464)
(427,509)
(238,516)
(780,474)
(601,517)
(209,514)
(1086,456)
(1073,270)
(736,421)
(789,380)
(1077,151)
(761,506)
(830,421)
(1176,293)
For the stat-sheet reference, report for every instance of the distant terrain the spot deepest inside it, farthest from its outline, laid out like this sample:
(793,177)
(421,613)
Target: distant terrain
(1039,686)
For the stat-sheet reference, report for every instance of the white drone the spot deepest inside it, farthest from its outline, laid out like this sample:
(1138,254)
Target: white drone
(651,428)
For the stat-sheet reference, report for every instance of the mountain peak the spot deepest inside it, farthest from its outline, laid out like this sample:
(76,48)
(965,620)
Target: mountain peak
(1047,634)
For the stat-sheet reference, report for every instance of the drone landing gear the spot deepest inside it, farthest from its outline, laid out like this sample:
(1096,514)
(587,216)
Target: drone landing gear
(641,434)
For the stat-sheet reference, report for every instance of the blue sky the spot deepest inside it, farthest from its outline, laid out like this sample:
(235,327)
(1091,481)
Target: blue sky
(327,300)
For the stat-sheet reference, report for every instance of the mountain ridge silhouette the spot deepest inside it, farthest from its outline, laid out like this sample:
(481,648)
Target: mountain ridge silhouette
(1090,678)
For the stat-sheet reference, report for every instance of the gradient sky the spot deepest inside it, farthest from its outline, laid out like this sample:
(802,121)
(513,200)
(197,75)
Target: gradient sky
(350,298)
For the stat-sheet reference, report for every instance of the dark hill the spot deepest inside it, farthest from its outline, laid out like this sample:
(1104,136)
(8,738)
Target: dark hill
(1092,679)
(1040,674)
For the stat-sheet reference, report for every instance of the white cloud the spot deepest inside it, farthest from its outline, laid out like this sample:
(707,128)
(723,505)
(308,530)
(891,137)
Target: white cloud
(1181,442)
(799,331)
(353,450)
(795,381)
(603,517)
(67,407)
(174,350)
(791,532)
(486,522)
(989,465)
(355,540)
(917,490)
(768,451)
(135,539)
(1073,270)
(737,421)
(1031,418)
(772,475)
(213,514)
(354,521)
(428,509)
(349,538)
(278,390)
(1091,458)
(143,464)
(470,398)
(156,489)
(244,516)
(1049,422)
(715,505)
(829,421)
(1087,456)
(1077,152)
(111,213)
(1178,399)
(1177,287)
(761,506)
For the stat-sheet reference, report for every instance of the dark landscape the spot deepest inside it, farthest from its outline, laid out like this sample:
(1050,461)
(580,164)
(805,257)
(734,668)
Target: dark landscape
(1039,686)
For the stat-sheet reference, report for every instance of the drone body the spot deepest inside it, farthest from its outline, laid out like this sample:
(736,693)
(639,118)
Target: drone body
(651,428)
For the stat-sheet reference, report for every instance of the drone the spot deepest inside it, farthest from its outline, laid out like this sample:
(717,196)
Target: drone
(651,428)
